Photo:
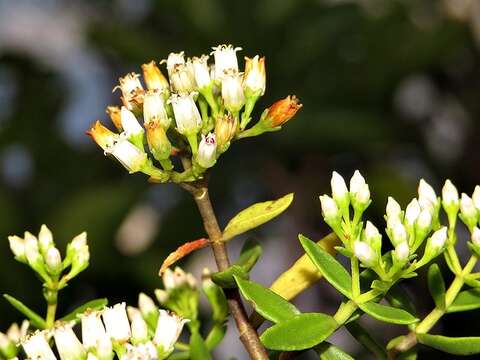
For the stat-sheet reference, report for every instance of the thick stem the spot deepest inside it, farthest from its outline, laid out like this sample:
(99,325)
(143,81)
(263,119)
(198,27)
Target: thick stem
(51,311)
(248,335)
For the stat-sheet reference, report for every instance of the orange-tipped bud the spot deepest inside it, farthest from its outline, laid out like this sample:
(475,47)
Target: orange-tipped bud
(225,129)
(157,140)
(114,113)
(283,110)
(101,135)
(154,78)
(254,78)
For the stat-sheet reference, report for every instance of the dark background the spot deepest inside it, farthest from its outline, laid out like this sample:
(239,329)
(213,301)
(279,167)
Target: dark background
(388,87)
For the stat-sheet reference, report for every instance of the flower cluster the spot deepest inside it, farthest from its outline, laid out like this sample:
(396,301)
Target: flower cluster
(194,115)
(129,337)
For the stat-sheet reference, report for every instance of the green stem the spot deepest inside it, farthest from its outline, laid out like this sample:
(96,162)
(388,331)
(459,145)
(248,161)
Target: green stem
(208,95)
(344,312)
(355,277)
(249,105)
(51,311)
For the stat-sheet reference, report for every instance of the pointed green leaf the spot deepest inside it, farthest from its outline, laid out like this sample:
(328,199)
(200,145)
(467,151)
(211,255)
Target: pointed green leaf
(327,351)
(398,297)
(218,302)
(268,304)
(225,278)
(302,331)
(331,269)
(97,304)
(249,254)
(436,285)
(465,301)
(256,215)
(451,345)
(198,349)
(388,314)
(34,318)
(471,282)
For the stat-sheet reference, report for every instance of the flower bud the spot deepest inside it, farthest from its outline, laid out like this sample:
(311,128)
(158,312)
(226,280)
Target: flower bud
(130,156)
(36,346)
(80,260)
(169,327)
(45,239)
(469,212)
(393,209)
(53,261)
(173,60)
(232,92)
(449,194)
(426,204)
(364,253)
(201,71)
(425,191)
(402,251)
(79,241)
(399,234)
(206,156)
(187,116)
(373,237)
(330,210)
(254,78)
(31,249)
(225,60)
(146,305)
(339,190)
(424,220)
(476,236)
(154,78)
(412,212)
(139,330)
(130,123)
(182,79)
(282,111)
(225,129)
(102,136)
(362,197)
(116,322)
(439,238)
(161,295)
(476,197)
(157,140)
(114,114)
(67,343)
(132,311)
(92,329)
(7,347)
(357,182)
(154,109)
(17,245)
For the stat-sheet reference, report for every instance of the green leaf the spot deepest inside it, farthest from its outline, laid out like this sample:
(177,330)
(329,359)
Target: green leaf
(388,314)
(34,318)
(331,269)
(364,338)
(218,302)
(471,282)
(436,285)
(345,252)
(198,349)
(465,301)
(398,297)
(328,351)
(249,254)
(256,215)
(268,304)
(451,345)
(302,331)
(382,286)
(96,304)
(225,279)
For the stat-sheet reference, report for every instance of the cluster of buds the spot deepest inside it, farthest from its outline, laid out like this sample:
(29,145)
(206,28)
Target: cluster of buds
(195,114)
(45,259)
(10,339)
(106,333)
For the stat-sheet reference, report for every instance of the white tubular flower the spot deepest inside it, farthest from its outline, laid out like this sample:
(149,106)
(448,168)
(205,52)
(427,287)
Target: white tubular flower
(31,248)
(130,123)
(232,91)
(339,190)
(146,304)
(187,116)
(201,71)
(225,59)
(467,207)
(130,85)
(139,330)
(364,253)
(476,236)
(154,109)
(425,191)
(329,207)
(116,322)
(17,245)
(449,194)
(169,327)
(45,239)
(424,220)
(254,79)
(393,209)
(207,156)
(36,346)
(53,260)
(439,238)
(476,197)
(130,156)
(145,351)
(92,329)
(412,212)
(399,234)
(402,251)
(68,345)
(104,347)
(182,78)
(357,182)
(173,60)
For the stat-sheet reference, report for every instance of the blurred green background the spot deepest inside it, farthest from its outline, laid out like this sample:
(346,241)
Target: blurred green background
(388,87)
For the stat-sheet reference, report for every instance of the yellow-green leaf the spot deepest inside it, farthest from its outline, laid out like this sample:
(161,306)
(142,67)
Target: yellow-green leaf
(451,345)
(256,215)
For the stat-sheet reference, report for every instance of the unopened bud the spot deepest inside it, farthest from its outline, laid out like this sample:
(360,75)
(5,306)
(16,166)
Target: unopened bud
(476,197)
(201,71)
(364,253)
(225,129)
(412,212)
(161,295)
(254,79)
(53,261)
(104,348)
(373,237)
(187,116)
(169,327)
(402,251)
(45,239)
(339,190)
(468,210)
(139,330)
(282,111)
(362,197)
(393,209)
(31,249)
(449,194)
(7,347)
(146,305)
(157,140)
(399,234)
(439,238)
(329,209)
(424,220)
(17,245)
(476,236)
(154,78)
(426,191)
(357,181)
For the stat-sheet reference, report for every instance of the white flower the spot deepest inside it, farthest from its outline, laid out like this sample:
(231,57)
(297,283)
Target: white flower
(36,346)
(329,207)
(402,251)
(225,59)
(104,347)
(182,78)
(139,329)
(254,79)
(130,85)
(357,182)
(232,91)
(145,351)
(467,207)
(201,71)
(45,239)
(476,236)
(169,327)
(399,233)
(439,238)
(173,60)
(339,188)
(449,194)
(425,191)
(393,209)
(68,345)
(92,329)
(476,197)
(17,245)
(53,260)
(130,123)
(146,304)
(154,109)
(116,322)
(424,220)
(412,212)
(130,156)
(186,113)
(364,253)
(206,156)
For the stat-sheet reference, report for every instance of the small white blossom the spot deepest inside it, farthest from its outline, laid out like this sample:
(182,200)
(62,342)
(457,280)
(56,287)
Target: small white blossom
(116,322)
(425,191)
(339,189)
(412,212)
(187,116)
(449,194)
(357,181)
(92,329)
(104,347)
(130,156)
(206,156)
(145,351)
(154,109)
(130,85)
(232,91)
(225,59)
(182,78)
(393,209)
(173,60)
(329,207)
(146,304)
(67,343)
(201,71)
(254,79)
(364,253)
(130,123)
(36,346)
(169,327)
